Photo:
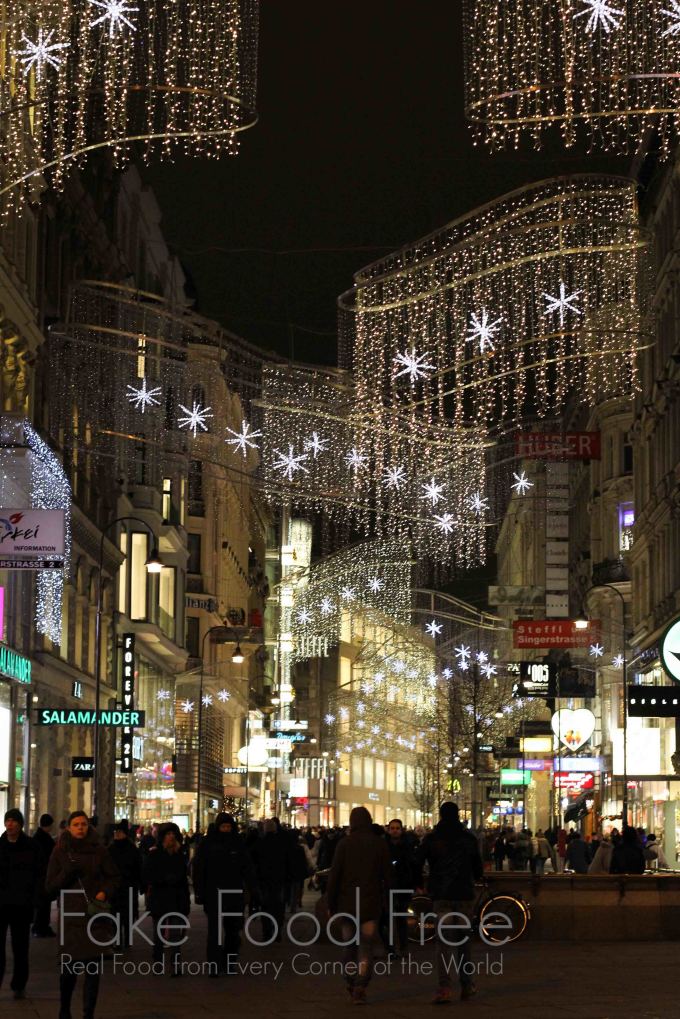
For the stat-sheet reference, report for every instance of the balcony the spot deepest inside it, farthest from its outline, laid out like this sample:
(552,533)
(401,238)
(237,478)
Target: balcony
(610,571)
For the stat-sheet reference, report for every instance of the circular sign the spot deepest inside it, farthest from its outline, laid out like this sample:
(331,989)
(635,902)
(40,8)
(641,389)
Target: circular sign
(669,651)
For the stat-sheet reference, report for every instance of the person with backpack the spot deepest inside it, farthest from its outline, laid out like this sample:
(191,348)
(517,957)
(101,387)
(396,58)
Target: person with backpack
(455,863)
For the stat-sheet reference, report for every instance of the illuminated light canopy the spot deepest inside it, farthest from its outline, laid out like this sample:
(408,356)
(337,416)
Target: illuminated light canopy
(603,68)
(77,76)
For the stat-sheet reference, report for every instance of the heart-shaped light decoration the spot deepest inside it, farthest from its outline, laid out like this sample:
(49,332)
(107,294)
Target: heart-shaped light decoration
(573,728)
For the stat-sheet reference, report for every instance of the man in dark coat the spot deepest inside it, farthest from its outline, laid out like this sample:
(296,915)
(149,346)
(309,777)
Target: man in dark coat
(222,862)
(402,857)
(273,865)
(455,863)
(20,871)
(167,883)
(44,841)
(128,860)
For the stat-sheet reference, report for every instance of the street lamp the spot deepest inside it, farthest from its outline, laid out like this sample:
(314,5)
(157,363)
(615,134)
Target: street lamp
(237,657)
(220,635)
(153,564)
(582,624)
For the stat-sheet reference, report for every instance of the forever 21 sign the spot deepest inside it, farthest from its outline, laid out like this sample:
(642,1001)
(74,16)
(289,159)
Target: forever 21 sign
(128,700)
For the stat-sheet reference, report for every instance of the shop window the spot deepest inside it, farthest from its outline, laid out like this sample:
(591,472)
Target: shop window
(138,576)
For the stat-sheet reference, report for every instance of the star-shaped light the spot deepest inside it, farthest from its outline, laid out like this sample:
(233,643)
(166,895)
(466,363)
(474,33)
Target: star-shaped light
(115,12)
(355,459)
(207,700)
(243,440)
(348,594)
(398,666)
(376,584)
(433,629)
(617,661)
(304,616)
(187,707)
(379,677)
(361,707)
(522,483)
(447,673)
(432,680)
(163,695)
(596,651)
(445,522)
(195,418)
(433,492)
(223,696)
(143,397)
(290,463)
(326,607)
(414,365)
(41,53)
(463,665)
(674,15)
(482,657)
(478,503)
(344,714)
(393,477)
(329,719)
(412,673)
(561,304)
(463,652)
(483,331)
(316,444)
(375,729)
(602,14)
(489,670)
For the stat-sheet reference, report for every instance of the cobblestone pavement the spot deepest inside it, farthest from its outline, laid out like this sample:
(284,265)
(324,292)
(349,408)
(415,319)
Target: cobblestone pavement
(591,981)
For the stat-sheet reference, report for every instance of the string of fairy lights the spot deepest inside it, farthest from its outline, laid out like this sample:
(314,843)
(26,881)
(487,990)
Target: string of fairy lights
(606,69)
(79,76)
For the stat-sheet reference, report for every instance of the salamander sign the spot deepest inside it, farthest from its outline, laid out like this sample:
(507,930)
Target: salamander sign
(112,718)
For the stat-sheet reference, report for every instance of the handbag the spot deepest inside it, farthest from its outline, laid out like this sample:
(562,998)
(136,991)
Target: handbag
(94,906)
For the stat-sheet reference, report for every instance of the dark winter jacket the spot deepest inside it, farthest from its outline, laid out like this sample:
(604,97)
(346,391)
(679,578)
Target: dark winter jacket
(578,857)
(273,860)
(45,844)
(455,863)
(361,862)
(166,881)
(21,872)
(627,859)
(221,861)
(81,868)
(402,860)
(128,861)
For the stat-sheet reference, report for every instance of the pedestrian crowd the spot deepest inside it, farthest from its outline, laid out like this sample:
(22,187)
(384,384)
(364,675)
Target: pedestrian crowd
(265,870)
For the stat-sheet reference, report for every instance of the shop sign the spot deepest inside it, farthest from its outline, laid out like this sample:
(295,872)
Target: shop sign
(14,665)
(536,764)
(669,650)
(374,797)
(558,445)
(573,728)
(573,781)
(31,539)
(554,633)
(509,595)
(288,725)
(109,719)
(653,702)
(578,763)
(235,771)
(128,701)
(538,680)
(515,776)
(292,737)
(82,767)
(5,729)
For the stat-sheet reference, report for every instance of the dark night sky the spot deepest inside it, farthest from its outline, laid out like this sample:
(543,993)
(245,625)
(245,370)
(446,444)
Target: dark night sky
(361,146)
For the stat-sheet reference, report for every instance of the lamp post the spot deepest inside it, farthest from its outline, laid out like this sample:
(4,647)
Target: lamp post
(225,634)
(153,564)
(582,624)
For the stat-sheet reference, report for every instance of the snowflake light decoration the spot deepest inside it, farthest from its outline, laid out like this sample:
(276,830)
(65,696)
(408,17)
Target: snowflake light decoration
(355,459)
(41,53)
(482,657)
(290,463)
(433,629)
(393,477)
(617,661)
(243,440)
(489,670)
(415,365)
(344,714)
(432,680)
(375,585)
(478,503)
(483,331)
(600,14)
(163,695)
(316,444)
(463,652)
(187,707)
(195,418)
(445,522)
(562,304)
(329,719)
(304,616)
(447,673)
(674,15)
(521,484)
(596,651)
(206,700)
(223,696)
(433,492)
(142,397)
(115,12)
(348,594)
(326,607)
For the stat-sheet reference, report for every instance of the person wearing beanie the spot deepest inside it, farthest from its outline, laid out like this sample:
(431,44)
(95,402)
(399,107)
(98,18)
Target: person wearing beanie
(222,861)
(44,840)
(167,890)
(452,854)
(20,884)
(128,861)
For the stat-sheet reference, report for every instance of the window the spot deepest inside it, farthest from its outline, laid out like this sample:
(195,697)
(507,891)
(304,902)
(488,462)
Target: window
(122,574)
(368,772)
(357,771)
(193,634)
(166,601)
(627,458)
(167,499)
(196,488)
(626,524)
(194,544)
(379,774)
(138,575)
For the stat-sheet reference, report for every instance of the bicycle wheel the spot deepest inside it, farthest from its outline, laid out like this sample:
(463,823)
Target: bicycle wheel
(516,912)
(421,928)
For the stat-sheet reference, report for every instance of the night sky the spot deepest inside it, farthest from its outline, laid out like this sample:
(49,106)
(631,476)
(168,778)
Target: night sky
(361,147)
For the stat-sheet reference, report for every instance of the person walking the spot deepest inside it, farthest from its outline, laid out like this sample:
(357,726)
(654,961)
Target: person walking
(273,864)
(44,841)
(402,858)
(602,859)
(628,857)
(222,862)
(81,866)
(128,861)
(20,883)
(166,881)
(577,853)
(500,850)
(358,883)
(542,852)
(452,855)
(654,854)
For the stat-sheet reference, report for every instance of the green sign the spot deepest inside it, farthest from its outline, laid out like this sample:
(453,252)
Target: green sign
(515,776)
(14,665)
(113,719)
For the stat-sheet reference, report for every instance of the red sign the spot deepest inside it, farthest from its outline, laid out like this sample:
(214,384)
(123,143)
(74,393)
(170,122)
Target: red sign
(573,781)
(558,445)
(548,633)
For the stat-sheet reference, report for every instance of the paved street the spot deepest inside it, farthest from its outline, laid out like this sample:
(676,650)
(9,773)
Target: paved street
(592,981)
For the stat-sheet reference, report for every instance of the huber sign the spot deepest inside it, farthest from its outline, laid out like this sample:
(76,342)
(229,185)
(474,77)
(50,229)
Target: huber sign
(558,445)
(31,539)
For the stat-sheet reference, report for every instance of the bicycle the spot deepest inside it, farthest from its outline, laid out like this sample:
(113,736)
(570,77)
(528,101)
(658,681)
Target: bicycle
(422,923)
